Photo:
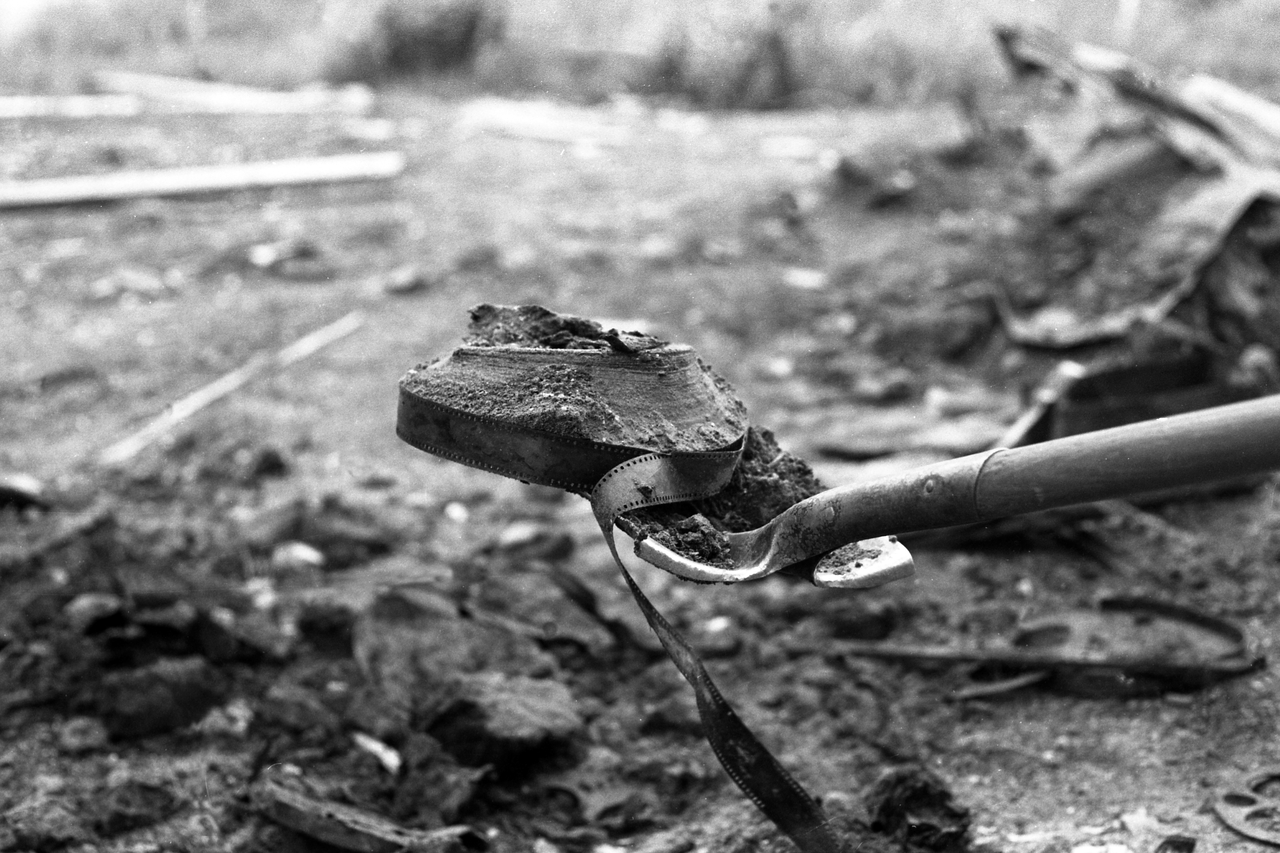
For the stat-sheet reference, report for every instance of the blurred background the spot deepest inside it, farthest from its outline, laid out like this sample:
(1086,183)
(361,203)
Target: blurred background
(718,52)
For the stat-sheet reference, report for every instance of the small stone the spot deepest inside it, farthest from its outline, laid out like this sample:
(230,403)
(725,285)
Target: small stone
(718,637)
(177,620)
(230,720)
(296,558)
(43,823)
(259,636)
(409,641)
(507,721)
(387,756)
(294,258)
(405,280)
(79,735)
(534,540)
(258,463)
(326,623)
(892,386)
(128,280)
(163,696)
(92,611)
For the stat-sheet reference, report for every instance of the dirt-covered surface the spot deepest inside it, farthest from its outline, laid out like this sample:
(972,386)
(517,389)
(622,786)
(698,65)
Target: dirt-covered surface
(766,480)
(530,368)
(280,613)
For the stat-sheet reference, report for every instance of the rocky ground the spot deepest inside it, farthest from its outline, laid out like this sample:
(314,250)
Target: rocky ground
(280,627)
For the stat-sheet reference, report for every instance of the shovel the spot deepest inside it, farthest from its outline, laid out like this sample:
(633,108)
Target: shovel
(634,422)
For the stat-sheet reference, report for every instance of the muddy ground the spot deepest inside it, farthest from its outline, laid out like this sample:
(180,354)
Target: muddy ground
(280,585)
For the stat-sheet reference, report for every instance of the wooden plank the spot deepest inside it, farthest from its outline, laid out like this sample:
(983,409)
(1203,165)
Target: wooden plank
(196,180)
(68,106)
(181,94)
(127,448)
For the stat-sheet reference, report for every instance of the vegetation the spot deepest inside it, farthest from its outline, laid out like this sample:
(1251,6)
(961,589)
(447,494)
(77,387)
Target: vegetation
(716,52)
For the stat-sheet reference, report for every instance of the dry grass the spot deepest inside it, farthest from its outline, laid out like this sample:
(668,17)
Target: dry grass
(881,52)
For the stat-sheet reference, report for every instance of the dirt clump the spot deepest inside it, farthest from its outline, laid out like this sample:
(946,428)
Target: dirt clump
(538,327)
(766,482)
(916,809)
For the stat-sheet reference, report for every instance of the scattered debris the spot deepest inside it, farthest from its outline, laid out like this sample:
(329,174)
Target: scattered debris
(1126,647)
(356,625)
(349,828)
(1250,807)
(916,809)
(297,259)
(89,612)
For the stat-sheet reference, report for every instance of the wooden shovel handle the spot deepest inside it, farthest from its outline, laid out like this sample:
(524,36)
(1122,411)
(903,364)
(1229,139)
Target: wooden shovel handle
(1184,450)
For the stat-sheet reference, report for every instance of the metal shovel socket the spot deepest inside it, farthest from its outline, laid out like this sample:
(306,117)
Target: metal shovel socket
(1202,447)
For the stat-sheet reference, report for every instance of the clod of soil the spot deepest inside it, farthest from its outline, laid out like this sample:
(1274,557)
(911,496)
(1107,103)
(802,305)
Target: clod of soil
(164,696)
(766,482)
(916,809)
(509,722)
(535,326)
(43,822)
